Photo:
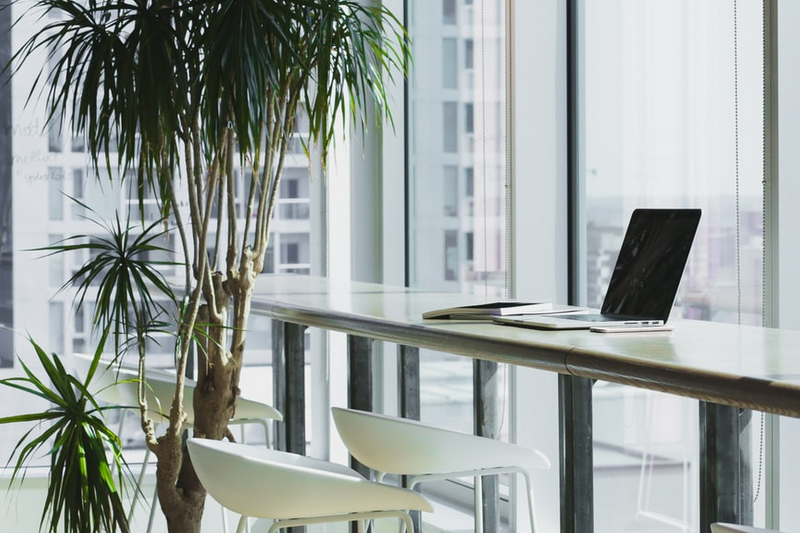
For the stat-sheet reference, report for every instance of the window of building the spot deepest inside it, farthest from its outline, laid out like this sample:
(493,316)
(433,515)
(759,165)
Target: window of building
(54,139)
(450,127)
(451,255)
(449,15)
(55,198)
(451,191)
(78,144)
(449,63)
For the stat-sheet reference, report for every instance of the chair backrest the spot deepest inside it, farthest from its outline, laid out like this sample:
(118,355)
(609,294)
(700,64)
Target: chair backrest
(118,386)
(110,383)
(400,446)
(259,482)
(733,528)
(161,389)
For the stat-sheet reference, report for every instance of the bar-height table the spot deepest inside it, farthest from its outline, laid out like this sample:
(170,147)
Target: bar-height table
(728,367)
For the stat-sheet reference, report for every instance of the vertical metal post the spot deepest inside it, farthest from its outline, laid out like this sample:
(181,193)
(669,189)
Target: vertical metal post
(288,366)
(7,243)
(409,399)
(359,392)
(288,375)
(359,379)
(725,466)
(577,466)
(486,391)
(278,383)
(408,386)
(295,414)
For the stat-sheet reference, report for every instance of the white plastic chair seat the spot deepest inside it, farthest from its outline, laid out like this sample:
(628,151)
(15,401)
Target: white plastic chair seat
(720,527)
(293,489)
(391,445)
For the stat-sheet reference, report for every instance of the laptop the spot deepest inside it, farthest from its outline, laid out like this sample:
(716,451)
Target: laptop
(645,279)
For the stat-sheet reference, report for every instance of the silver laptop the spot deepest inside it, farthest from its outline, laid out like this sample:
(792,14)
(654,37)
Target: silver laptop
(645,279)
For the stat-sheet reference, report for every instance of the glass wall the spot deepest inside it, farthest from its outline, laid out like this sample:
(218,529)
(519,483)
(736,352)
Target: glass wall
(671,115)
(457,173)
(43,166)
(457,182)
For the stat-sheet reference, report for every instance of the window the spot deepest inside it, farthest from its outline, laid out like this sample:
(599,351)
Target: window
(55,180)
(449,12)
(450,127)
(54,140)
(451,255)
(451,191)
(449,63)
(294,202)
(671,116)
(77,210)
(444,244)
(291,252)
(290,188)
(295,252)
(78,144)
(51,165)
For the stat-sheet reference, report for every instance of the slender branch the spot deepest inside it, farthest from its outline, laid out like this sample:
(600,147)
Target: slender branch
(147,423)
(285,137)
(252,187)
(193,154)
(232,225)
(220,219)
(267,172)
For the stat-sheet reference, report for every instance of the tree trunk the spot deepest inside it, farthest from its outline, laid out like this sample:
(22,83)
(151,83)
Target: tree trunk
(182,503)
(214,405)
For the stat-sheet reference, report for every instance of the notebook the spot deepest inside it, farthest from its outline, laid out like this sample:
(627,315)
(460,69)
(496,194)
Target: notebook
(645,279)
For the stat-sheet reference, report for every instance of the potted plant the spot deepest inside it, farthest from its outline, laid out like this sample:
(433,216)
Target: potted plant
(178,95)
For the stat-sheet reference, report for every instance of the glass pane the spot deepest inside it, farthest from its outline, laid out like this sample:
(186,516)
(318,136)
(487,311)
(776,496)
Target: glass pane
(49,163)
(457,155)
(671,117)
(55,195)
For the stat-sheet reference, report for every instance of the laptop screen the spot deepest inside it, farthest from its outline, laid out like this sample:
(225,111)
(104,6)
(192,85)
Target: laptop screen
(651,262)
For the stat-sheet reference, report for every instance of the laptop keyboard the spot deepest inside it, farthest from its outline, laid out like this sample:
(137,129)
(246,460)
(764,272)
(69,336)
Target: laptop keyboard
(592,317)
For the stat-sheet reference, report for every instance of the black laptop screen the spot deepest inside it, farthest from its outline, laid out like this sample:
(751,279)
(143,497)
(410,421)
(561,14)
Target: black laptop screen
(651,262)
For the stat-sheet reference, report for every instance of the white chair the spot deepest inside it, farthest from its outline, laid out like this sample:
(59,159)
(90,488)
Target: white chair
(391,445)
(294,490)
(719,527)
(119,386)
(160,390)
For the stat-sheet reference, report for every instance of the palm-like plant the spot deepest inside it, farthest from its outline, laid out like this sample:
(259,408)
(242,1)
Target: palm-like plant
(82,494)
(185,93)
